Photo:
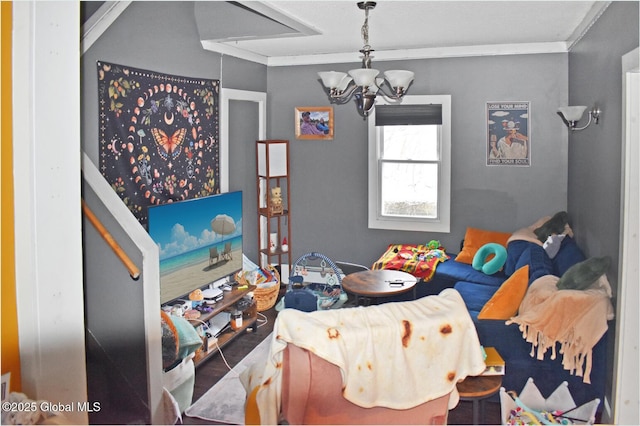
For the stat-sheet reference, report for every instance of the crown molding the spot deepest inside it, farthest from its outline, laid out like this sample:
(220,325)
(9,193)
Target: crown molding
(594,14)
(424,53)
(236,52)
(389,55)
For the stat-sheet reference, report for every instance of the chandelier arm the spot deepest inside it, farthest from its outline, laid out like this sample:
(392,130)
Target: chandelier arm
(395,96)
(346,94)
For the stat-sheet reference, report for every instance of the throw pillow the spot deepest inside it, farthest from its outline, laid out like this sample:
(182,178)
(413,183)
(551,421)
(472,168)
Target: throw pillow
(581,275)
(475,238)
(505,302)
(555,225)
(489,258)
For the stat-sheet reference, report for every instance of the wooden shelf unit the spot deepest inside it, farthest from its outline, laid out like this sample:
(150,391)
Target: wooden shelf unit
(272,164)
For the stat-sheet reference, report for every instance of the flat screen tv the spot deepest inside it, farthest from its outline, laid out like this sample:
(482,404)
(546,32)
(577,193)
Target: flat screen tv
(200,242)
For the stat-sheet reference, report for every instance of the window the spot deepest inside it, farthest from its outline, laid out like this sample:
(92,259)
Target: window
(410,164)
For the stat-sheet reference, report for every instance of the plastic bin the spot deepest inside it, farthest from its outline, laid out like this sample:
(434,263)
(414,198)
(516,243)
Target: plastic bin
(179,381)
(559,400)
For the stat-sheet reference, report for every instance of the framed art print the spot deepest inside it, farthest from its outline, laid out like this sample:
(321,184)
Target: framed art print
(314,122)
(508,141)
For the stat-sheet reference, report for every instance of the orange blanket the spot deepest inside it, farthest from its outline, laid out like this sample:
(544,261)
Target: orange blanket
(417,260)
(576,319)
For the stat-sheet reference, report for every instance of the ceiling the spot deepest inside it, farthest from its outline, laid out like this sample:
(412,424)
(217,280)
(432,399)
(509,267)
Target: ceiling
(281,33)
(309,32)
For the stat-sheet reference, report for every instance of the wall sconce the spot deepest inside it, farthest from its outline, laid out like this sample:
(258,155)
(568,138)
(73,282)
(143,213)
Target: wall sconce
(572,114)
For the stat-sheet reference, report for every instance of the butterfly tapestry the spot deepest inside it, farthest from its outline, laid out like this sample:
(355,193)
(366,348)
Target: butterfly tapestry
(158,136)
(168,146)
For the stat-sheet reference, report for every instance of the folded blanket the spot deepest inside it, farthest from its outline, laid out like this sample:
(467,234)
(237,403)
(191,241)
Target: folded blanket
(545,320)
(432,341)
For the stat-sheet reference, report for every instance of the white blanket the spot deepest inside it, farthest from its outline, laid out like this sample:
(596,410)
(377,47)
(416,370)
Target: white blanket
(396,355)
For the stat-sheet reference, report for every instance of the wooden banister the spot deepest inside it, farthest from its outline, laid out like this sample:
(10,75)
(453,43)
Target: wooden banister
(128,263)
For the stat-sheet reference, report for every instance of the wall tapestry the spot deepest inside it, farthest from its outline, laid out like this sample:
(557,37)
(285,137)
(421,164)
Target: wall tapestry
(158,136)
(508,134)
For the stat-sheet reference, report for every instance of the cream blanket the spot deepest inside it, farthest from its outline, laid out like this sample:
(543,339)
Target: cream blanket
(432,342)
(576,319)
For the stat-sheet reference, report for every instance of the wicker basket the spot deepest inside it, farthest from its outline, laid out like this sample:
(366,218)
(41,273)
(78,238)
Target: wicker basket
(265,297)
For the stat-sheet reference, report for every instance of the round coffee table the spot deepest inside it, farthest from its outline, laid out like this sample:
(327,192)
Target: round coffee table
(378,283)
(477,389)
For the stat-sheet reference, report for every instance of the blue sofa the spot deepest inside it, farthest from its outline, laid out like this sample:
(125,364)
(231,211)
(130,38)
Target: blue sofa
(477,288)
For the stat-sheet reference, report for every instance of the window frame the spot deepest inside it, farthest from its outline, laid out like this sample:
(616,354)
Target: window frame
(443,219)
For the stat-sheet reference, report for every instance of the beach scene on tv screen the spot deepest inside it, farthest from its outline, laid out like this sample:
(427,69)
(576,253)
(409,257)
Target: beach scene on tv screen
(200,241)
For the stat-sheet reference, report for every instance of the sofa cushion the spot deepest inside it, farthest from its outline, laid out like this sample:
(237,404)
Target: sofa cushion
(505,302)
(520,253)
(475,238)
(515,248)
(452,272)
(475,295)
(538,261)
(568,255)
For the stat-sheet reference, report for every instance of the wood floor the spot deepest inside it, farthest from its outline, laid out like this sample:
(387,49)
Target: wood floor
(212,370)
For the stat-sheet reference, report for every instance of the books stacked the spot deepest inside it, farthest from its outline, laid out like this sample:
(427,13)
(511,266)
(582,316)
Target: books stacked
(494,362)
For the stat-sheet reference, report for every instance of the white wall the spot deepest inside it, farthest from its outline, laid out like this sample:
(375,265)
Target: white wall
(46,162)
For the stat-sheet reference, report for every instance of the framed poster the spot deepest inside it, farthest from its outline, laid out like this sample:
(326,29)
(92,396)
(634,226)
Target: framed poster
(508,142)
(314,122)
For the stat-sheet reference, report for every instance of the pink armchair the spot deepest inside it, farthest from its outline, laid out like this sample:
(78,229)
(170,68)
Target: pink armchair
(312,394)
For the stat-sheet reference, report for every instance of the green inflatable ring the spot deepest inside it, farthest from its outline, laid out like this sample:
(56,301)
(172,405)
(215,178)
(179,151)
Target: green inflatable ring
(493,265)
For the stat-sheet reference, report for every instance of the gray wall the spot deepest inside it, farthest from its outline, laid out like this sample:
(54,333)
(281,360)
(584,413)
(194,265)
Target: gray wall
(595,154)
(158,36)
(329,178)
(162,36)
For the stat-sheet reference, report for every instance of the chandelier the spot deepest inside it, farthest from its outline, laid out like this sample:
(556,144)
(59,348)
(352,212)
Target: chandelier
(364,83)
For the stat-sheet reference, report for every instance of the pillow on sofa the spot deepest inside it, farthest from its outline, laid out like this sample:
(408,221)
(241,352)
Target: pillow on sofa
(581,275)
(475,238)
(489,258)
(505,302)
